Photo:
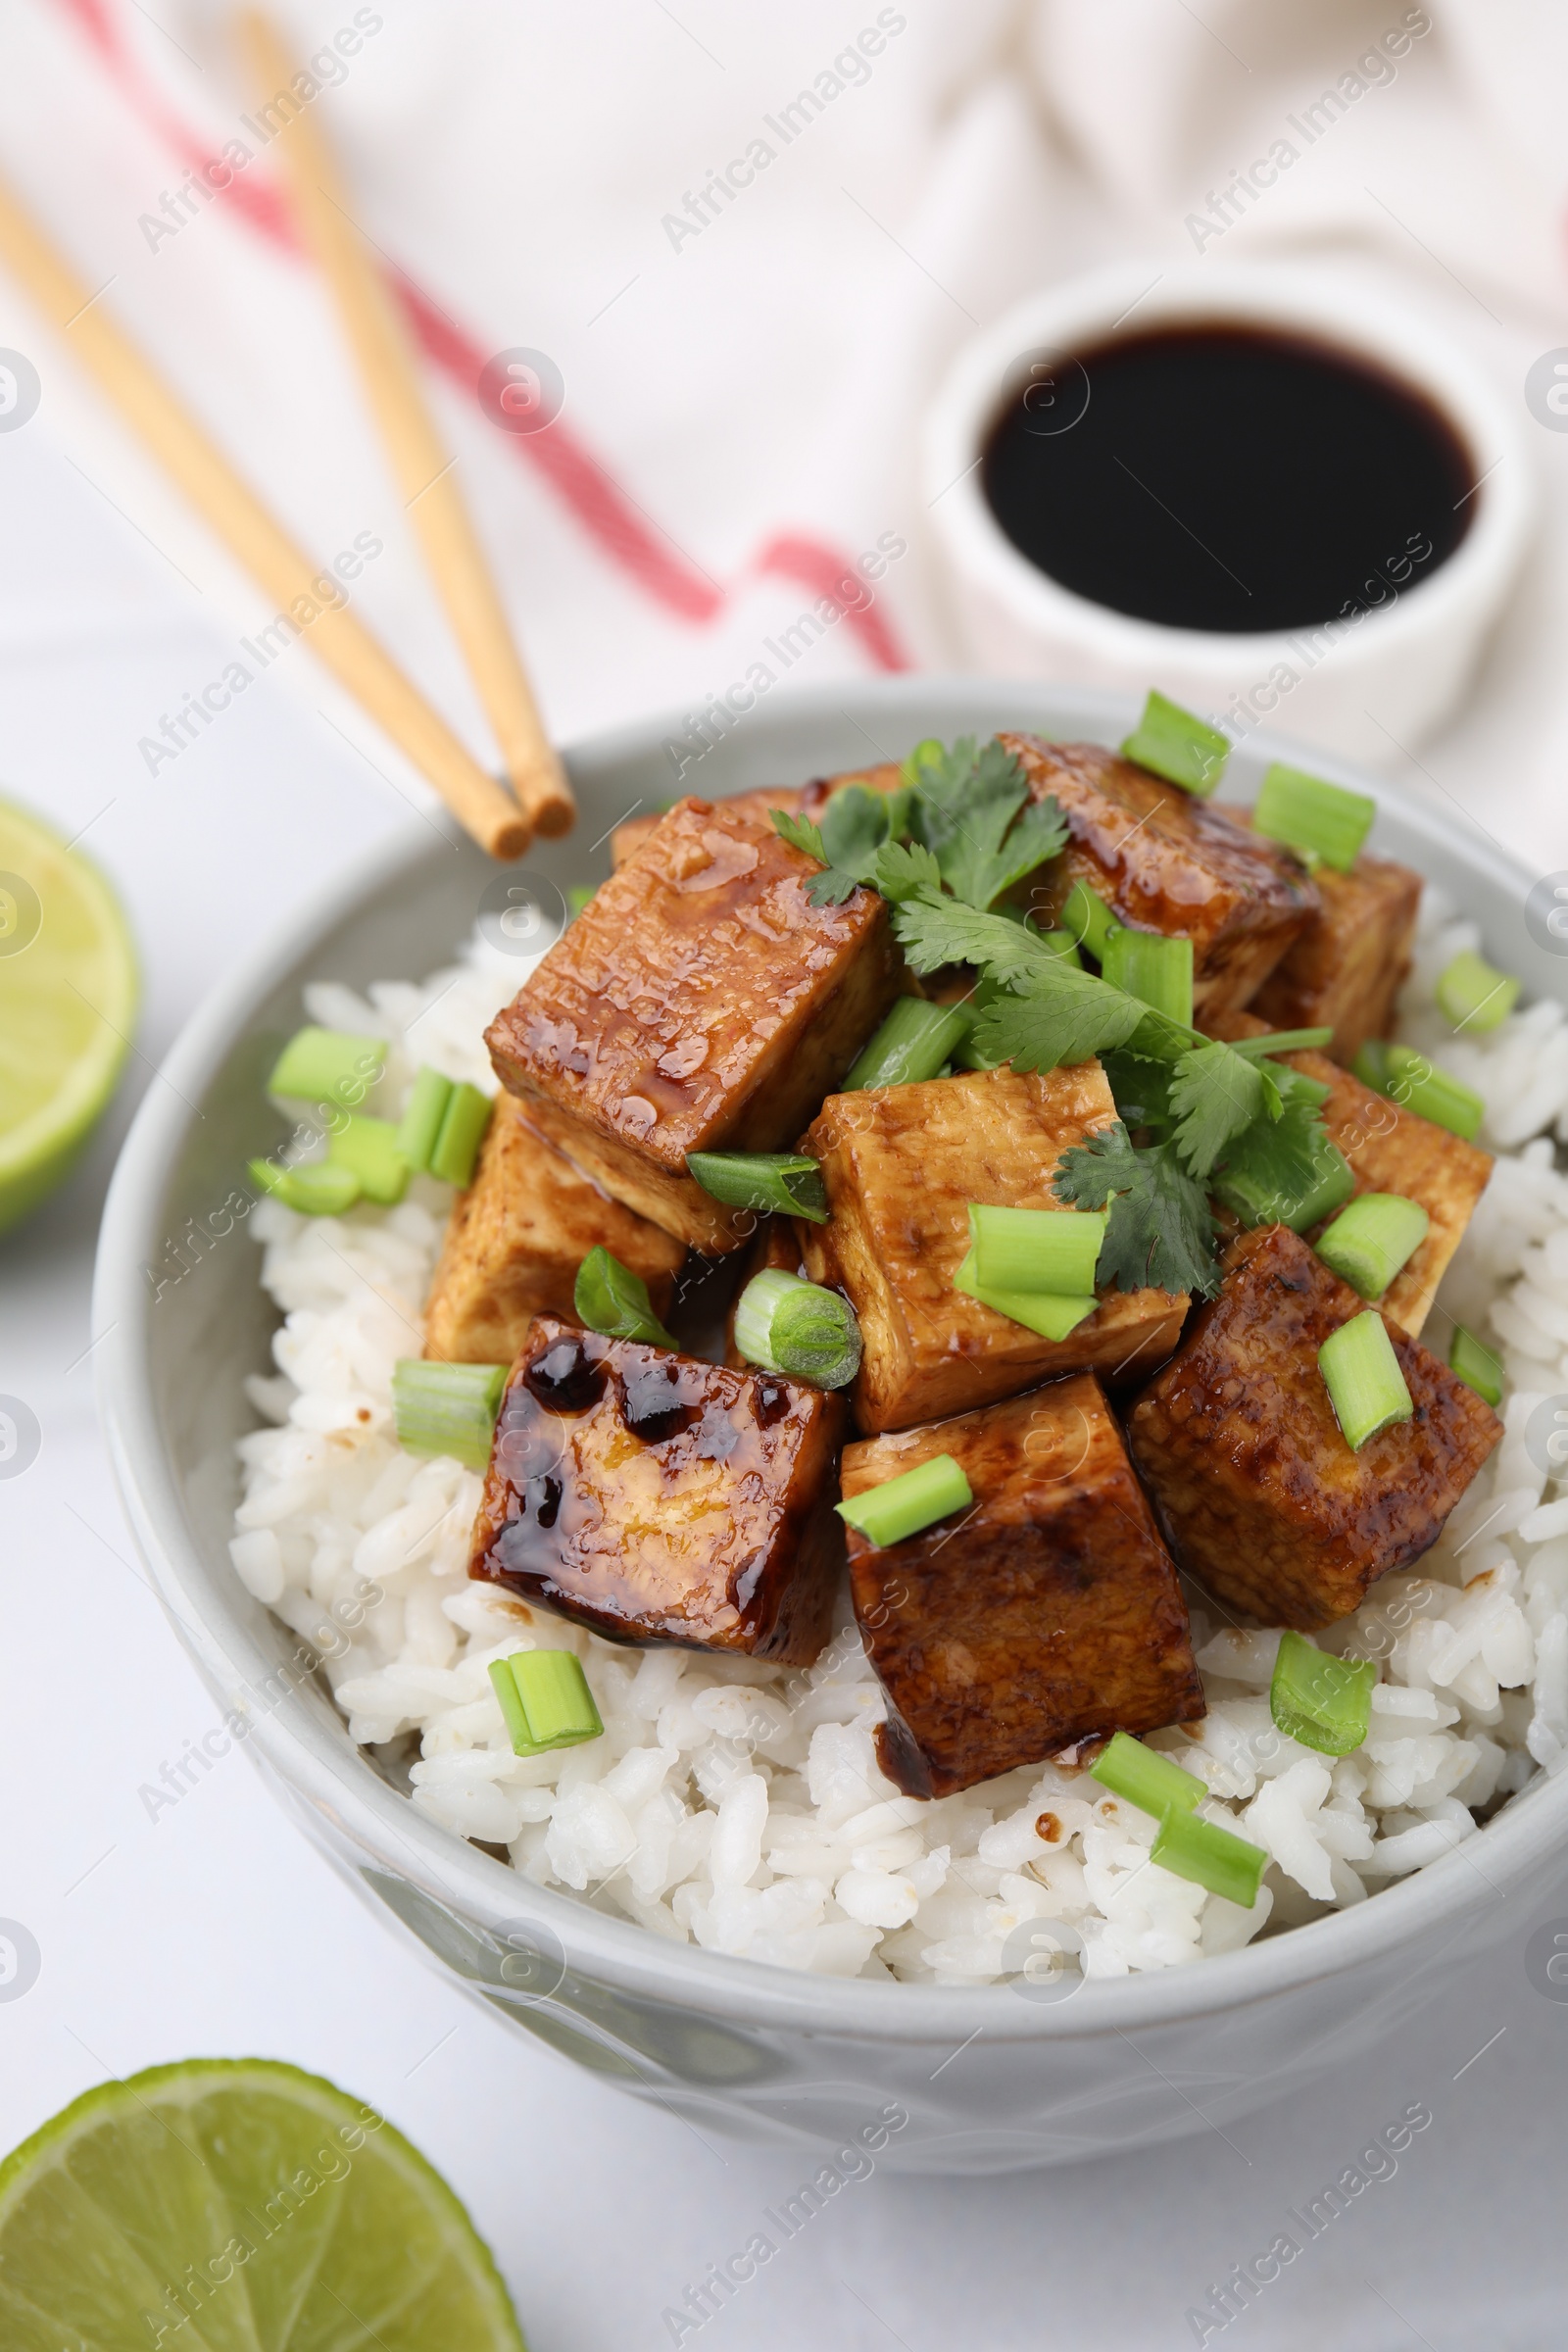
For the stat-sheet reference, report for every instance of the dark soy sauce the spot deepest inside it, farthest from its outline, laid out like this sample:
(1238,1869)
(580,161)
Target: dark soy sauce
(1214,478)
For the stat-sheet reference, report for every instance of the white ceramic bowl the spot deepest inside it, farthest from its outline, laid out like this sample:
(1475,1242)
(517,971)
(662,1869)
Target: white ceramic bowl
(990,2079)
(1362,688)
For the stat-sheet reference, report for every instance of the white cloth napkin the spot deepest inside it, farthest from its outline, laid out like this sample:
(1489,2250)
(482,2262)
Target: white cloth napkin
(750,245)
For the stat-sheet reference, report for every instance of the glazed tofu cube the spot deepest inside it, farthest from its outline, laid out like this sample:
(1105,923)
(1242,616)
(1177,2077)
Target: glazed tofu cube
(1049,1613)
(1348,965)
(901,1164)
(653,1497)
(699,1003)
(515,1240)
(1252,1482)
(796,800)
(1165,862)
(1391,1150)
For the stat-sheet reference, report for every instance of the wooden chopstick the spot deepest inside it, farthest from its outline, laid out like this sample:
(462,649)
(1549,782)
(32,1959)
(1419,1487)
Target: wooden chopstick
(423,470)
(356,658)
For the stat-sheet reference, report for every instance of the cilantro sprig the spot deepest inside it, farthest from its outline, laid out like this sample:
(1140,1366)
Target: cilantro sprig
(969,808)
(972,809)
(961,832)
(1160,1234)
(854,827)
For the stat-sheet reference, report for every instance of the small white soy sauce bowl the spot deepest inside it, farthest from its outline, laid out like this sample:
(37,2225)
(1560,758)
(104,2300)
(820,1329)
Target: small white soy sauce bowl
(1238,407)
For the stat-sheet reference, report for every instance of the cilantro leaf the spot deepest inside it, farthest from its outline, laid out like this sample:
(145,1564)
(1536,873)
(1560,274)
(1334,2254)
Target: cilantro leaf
(1048,1024)
(973,809)
(1215,1095)
(852,829)
(934,929)
(801,834)
(1160,1234)
(1139,1087)
(904,870)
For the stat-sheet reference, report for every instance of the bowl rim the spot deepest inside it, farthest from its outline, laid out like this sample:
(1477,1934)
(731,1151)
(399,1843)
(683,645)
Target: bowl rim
(1323,306)
(314,1757)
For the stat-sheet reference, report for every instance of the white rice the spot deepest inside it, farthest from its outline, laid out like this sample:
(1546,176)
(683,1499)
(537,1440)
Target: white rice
(739,1807)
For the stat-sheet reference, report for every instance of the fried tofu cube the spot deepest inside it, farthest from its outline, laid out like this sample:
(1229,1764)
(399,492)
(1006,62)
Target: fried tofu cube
(901,1164)
(1345,968)
(796,800)
(699,1003)
(1392,1150)
(516,1240)
(1165,862)
(1256,1491)
(1049,1613)
(653,1497)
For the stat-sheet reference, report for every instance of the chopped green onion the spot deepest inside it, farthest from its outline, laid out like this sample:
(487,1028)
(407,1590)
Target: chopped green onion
(1054,1250)
(1087,919)
(913,1044)
(1363,1378)
(317,1190)
(796,1327)
(781,1184)
(1199,1850)
(544,1701)
(1475,1365)
(369,1147)
(901,1506)
(1173,744)
(1431,1094)
(610,1298)
(1473,995)
(966,1056)
(1064,945)
(447,1408)
(1263,1184)
(1312,816)
(578,896)
(1281,1041)
(327,1065)
(1145,1778)
(420,1124)
(1409,1078)
(1186,1845)
(463,1130)
(1154,967)
(1042,1311)
(1370,1063)
(1323,1701)
(1370,1241)
(1294,1086)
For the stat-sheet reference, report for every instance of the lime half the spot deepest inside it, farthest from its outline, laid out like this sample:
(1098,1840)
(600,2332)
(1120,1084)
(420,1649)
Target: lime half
(68,1004)
(235,2205)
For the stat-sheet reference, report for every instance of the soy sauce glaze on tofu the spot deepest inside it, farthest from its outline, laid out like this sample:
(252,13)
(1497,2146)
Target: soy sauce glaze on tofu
(699,1003)
(1345,968)
(1049,1613)
(656,1498)
(1253,1484)
(1164,862)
